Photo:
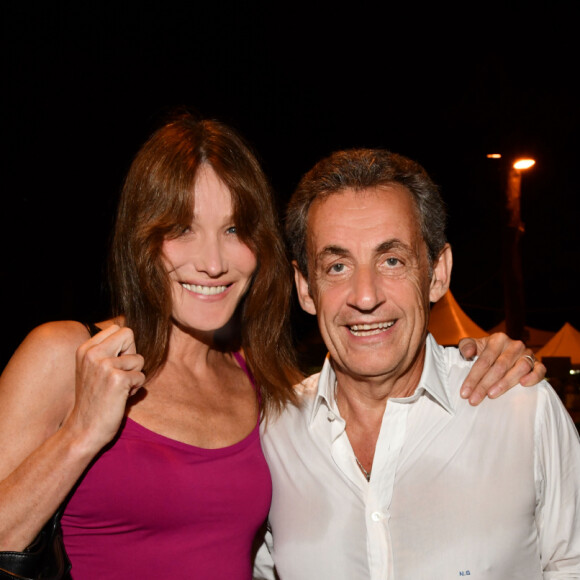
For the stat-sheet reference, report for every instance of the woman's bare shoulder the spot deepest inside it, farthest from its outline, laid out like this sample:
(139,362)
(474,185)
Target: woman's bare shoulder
(59,334)
(37,387)
(44,360)
(47,355)
(54,341)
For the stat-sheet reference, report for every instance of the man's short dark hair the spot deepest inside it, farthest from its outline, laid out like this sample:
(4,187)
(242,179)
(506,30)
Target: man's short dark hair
(360,169)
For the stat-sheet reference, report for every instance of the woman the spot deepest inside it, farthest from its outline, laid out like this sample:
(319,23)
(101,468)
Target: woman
(164,444)
(149,429)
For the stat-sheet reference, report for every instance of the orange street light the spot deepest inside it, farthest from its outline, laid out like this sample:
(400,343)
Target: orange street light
(513,277)
(522,164)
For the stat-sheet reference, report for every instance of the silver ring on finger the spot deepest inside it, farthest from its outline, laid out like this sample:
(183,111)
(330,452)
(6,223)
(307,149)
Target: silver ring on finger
(531,359)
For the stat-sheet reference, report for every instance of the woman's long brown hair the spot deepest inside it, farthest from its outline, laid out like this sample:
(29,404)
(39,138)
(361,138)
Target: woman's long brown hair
(156,203)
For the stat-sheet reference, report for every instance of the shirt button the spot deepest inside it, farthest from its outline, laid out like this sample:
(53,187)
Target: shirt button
(376,516)
(330,416)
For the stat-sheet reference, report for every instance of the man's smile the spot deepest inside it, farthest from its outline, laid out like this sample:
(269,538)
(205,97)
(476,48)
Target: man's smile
(370,329)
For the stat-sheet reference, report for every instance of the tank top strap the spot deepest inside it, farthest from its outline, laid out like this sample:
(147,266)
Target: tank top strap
(242,362)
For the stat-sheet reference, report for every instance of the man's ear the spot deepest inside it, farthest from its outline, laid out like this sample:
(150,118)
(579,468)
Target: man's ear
(303,289)
(441,274)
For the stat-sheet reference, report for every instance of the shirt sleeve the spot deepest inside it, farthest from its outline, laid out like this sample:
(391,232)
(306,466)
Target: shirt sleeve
(557,468)
(264,564)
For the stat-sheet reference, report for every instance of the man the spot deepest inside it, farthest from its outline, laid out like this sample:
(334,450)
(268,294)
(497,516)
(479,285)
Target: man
(383,470)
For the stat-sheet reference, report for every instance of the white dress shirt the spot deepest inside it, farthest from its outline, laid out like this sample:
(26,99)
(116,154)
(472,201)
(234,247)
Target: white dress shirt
(456,491)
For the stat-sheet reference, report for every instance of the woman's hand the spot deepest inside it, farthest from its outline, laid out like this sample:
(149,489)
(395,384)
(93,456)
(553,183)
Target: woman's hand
(108,372)
(501,364)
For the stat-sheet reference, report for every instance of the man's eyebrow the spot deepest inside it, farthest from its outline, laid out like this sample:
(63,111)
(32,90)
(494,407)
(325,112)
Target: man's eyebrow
(386,246)
(393,244)
(331,251)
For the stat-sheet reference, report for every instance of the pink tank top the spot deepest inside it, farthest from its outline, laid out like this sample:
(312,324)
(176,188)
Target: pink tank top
(152,507)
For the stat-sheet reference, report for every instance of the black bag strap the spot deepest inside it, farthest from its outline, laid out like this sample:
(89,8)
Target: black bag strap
(45,558)
(92,328)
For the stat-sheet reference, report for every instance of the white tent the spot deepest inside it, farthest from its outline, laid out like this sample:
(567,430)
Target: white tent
(566,342)
(449,323)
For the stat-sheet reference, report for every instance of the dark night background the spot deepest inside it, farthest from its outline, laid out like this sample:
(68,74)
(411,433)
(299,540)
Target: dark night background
(83,85)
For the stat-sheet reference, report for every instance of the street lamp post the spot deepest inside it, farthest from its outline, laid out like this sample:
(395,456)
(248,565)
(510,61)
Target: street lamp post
(514,228)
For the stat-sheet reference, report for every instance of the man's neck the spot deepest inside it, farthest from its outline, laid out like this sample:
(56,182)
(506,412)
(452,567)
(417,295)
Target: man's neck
(362,402)
(374,391)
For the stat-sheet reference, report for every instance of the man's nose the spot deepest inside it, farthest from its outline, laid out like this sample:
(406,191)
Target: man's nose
(365,292)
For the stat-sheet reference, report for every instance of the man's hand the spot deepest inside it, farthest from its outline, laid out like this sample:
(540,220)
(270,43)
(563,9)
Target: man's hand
(502,363)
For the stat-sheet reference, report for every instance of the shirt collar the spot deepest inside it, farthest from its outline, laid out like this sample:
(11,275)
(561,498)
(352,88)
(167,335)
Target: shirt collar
(433,381)
(434,378)
(326,390)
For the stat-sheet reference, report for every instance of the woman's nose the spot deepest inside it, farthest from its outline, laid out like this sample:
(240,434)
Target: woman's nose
(210,258)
